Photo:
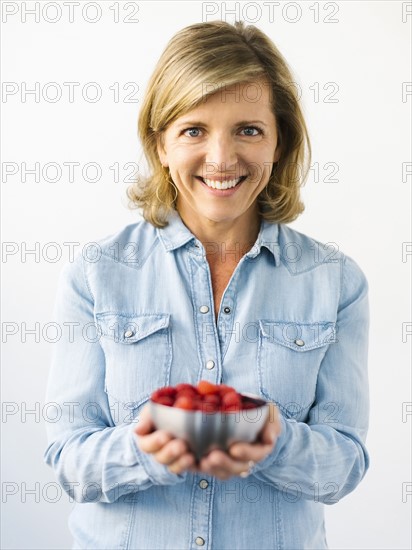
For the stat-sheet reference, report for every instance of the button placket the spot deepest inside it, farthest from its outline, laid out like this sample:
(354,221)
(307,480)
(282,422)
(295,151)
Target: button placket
(227,327)
(207,335)
(209,354)
(226,322)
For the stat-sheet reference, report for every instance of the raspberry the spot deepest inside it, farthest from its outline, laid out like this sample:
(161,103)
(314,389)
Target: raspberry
(184,387)
(210,403)
(164,400)
(223,389)
(187,392)
(184,402)
(170,391)
(231,399)
(205,397)
(204,387)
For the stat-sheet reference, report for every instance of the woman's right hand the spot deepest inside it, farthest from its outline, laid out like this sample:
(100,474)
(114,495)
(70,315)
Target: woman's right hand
(164,447)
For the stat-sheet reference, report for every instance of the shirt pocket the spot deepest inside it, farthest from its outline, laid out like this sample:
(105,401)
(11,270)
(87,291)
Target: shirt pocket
(289,357)
(138,355)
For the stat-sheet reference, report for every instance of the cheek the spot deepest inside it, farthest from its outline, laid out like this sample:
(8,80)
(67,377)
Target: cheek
(260,162)
(260,171)
(184,162)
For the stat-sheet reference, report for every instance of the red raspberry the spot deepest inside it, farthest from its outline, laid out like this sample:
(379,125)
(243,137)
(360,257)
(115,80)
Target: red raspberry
(170,391)
(164,400)
(206,397)
(210,403)
(204,387)
(183,386)
(231,401)
(185,402)
(223,389)
(187,392)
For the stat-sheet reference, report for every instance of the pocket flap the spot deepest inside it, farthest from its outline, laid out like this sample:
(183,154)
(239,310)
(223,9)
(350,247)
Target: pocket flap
(130,328)
(299,336)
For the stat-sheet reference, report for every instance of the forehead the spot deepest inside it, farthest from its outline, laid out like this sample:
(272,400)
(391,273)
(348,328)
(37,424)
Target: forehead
(249,98)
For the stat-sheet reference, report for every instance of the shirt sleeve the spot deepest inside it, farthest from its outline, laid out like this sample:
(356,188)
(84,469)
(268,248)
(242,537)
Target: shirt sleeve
(92,458)
(325,458)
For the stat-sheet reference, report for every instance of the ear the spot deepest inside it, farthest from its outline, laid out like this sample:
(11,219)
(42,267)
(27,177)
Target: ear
(161,151)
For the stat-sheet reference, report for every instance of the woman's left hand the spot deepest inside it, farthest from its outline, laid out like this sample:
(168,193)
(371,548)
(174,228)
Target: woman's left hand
(240,457)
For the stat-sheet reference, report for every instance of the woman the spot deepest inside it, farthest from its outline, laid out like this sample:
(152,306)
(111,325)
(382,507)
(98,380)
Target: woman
(213,285)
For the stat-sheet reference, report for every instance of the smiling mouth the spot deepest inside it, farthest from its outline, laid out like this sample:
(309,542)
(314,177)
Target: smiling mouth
(219,184)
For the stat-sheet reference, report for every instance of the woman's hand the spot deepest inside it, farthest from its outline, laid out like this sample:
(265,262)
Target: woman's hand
(175,454)
(166,449)
(242,456)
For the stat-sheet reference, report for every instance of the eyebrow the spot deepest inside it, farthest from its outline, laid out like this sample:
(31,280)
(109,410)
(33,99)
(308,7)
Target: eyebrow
(240,123)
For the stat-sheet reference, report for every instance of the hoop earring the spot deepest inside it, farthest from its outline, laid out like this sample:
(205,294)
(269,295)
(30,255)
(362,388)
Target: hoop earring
(169,181)
(172,183)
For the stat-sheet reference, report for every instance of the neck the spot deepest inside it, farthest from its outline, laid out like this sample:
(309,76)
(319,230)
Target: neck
(225,240)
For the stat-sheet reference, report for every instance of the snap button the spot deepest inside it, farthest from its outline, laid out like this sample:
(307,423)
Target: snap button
(204,309)
(128,334)
(299,343)
(210,365)
(199,541)
(227,309)
(203,484)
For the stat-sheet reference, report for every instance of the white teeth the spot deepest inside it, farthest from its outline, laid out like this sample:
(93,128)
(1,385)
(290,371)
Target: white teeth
(221,184)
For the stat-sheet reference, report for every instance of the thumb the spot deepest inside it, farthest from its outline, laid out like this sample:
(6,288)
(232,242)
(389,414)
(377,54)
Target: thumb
(145,423)
(271,429)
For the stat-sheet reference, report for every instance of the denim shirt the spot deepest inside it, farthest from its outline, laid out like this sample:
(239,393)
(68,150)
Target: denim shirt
(292,327)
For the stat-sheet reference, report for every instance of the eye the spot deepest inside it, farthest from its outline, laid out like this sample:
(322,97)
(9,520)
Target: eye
(252,131)
(192,132)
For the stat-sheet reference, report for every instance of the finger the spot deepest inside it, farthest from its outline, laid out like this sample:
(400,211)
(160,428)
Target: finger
(145,423)
(153,442)
(249,451)
(171,452)
(220,464)
(184,462)
(266,439)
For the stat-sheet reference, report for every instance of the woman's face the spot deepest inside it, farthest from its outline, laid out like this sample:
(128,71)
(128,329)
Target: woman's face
(220,154)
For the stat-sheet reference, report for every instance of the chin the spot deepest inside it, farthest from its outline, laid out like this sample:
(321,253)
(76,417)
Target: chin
(216,215)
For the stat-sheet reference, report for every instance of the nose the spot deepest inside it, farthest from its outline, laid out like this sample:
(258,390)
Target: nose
(221,155)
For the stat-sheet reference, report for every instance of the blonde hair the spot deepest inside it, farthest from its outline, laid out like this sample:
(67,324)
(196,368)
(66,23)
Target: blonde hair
(198,61)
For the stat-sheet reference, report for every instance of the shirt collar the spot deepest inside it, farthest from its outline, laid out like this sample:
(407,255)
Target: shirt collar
(268,237)
(176,234)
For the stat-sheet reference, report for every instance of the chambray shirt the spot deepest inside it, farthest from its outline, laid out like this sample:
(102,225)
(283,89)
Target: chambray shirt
(292,327)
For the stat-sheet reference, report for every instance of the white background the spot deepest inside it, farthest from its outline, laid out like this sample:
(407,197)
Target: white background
(366,133)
